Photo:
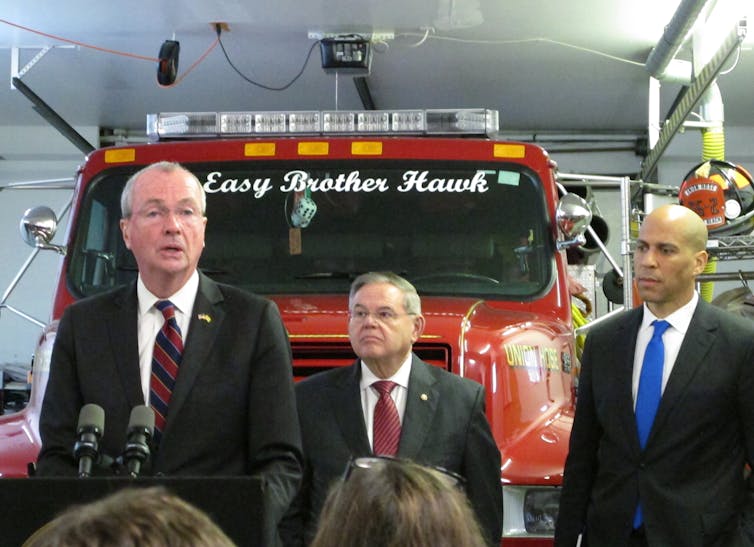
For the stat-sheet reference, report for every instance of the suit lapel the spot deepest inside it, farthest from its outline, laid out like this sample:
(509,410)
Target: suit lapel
(423,398)
(121,324)
(697,343)
(346,402)
(205,323)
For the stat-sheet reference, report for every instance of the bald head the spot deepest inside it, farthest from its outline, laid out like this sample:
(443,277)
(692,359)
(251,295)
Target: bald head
(689,225)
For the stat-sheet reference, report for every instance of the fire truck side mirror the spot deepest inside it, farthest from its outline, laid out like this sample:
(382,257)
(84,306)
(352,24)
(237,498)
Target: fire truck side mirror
(38,226)
(573,216)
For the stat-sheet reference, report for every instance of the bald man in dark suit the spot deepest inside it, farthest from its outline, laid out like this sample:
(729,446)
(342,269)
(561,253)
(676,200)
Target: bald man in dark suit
(684,484)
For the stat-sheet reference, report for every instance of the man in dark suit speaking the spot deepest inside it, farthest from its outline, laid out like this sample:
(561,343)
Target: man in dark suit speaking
(664,420)
(213,361)
(392,403)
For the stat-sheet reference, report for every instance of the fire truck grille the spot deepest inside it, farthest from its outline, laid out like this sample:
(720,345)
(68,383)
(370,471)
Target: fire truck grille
(311,358)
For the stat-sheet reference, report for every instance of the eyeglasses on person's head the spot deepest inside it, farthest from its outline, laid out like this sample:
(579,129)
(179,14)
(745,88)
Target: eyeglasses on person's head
(368,463)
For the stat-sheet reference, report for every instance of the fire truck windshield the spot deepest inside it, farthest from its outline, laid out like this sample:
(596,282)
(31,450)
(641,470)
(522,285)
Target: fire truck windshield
(284,227)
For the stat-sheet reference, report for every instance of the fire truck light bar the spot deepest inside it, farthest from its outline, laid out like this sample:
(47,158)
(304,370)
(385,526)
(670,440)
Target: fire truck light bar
(185,125)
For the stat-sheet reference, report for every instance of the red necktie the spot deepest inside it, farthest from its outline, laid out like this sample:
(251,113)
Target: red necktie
(387,423)
(166,358)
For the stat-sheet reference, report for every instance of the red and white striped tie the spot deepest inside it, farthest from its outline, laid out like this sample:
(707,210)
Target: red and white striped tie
(387,423)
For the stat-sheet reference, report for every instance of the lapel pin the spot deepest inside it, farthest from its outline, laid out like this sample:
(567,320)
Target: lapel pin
(423,397)
(204,317)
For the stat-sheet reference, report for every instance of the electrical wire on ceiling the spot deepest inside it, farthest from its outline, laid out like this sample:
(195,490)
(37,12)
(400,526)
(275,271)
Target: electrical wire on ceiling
(429,34)
(218,29)
(426,30)
(113,51)
(723,72)
(77,43)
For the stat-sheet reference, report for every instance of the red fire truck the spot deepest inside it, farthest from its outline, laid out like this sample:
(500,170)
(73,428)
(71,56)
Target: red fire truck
(299,203)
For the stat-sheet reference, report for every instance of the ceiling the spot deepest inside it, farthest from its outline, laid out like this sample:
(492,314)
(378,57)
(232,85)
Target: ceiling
(547,66)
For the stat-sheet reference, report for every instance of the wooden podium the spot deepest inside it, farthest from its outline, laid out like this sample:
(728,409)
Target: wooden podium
(235,504)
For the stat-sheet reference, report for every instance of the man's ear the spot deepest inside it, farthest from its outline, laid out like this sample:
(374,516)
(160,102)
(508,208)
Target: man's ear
(700,262)
(124,232)
(419,324)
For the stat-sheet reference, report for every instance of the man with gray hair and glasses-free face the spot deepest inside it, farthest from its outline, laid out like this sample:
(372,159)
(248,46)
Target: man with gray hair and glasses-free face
(390,402)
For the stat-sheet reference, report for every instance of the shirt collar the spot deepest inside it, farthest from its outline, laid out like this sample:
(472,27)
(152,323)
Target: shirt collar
(679,319)
(400,377)
(183,298)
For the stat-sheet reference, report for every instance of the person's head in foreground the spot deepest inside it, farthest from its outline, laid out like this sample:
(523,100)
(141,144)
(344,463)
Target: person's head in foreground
(132,517)
(384,502)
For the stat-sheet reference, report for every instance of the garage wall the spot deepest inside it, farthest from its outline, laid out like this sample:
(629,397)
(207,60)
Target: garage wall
(36,153)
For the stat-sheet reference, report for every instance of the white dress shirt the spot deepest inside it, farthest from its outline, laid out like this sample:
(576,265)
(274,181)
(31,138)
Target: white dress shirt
(370,396)
(150,322)
(672,339)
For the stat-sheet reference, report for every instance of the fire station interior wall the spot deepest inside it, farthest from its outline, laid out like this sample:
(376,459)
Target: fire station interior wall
(38,152)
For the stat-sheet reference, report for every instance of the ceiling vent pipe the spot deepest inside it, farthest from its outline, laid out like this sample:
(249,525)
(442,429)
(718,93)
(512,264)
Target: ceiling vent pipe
(672,39)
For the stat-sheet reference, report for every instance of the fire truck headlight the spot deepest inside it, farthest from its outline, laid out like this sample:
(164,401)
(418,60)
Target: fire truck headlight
(530,511)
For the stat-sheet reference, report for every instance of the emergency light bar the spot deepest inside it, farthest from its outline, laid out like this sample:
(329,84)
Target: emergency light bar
(182,125)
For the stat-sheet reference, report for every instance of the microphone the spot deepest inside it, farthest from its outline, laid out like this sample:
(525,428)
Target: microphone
(91,427)
(140,430)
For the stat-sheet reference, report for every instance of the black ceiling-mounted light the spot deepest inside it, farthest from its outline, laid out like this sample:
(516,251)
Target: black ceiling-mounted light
(348,54)
(167,68)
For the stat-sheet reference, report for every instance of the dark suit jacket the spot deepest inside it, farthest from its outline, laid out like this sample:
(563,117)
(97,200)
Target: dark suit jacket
(690,474)
(449,430)
(233,408)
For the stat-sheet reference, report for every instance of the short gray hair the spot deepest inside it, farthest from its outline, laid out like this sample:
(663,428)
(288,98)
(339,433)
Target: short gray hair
(126,197)
(411,300)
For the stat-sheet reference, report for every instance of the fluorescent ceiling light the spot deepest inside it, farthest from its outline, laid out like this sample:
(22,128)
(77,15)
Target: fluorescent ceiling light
(645,20)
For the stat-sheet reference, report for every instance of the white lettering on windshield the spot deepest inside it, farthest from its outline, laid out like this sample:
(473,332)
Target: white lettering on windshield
(414,180)
(298,181)
(213,185)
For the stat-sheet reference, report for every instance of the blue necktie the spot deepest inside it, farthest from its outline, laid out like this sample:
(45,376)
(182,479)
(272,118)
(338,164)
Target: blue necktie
(650,391)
